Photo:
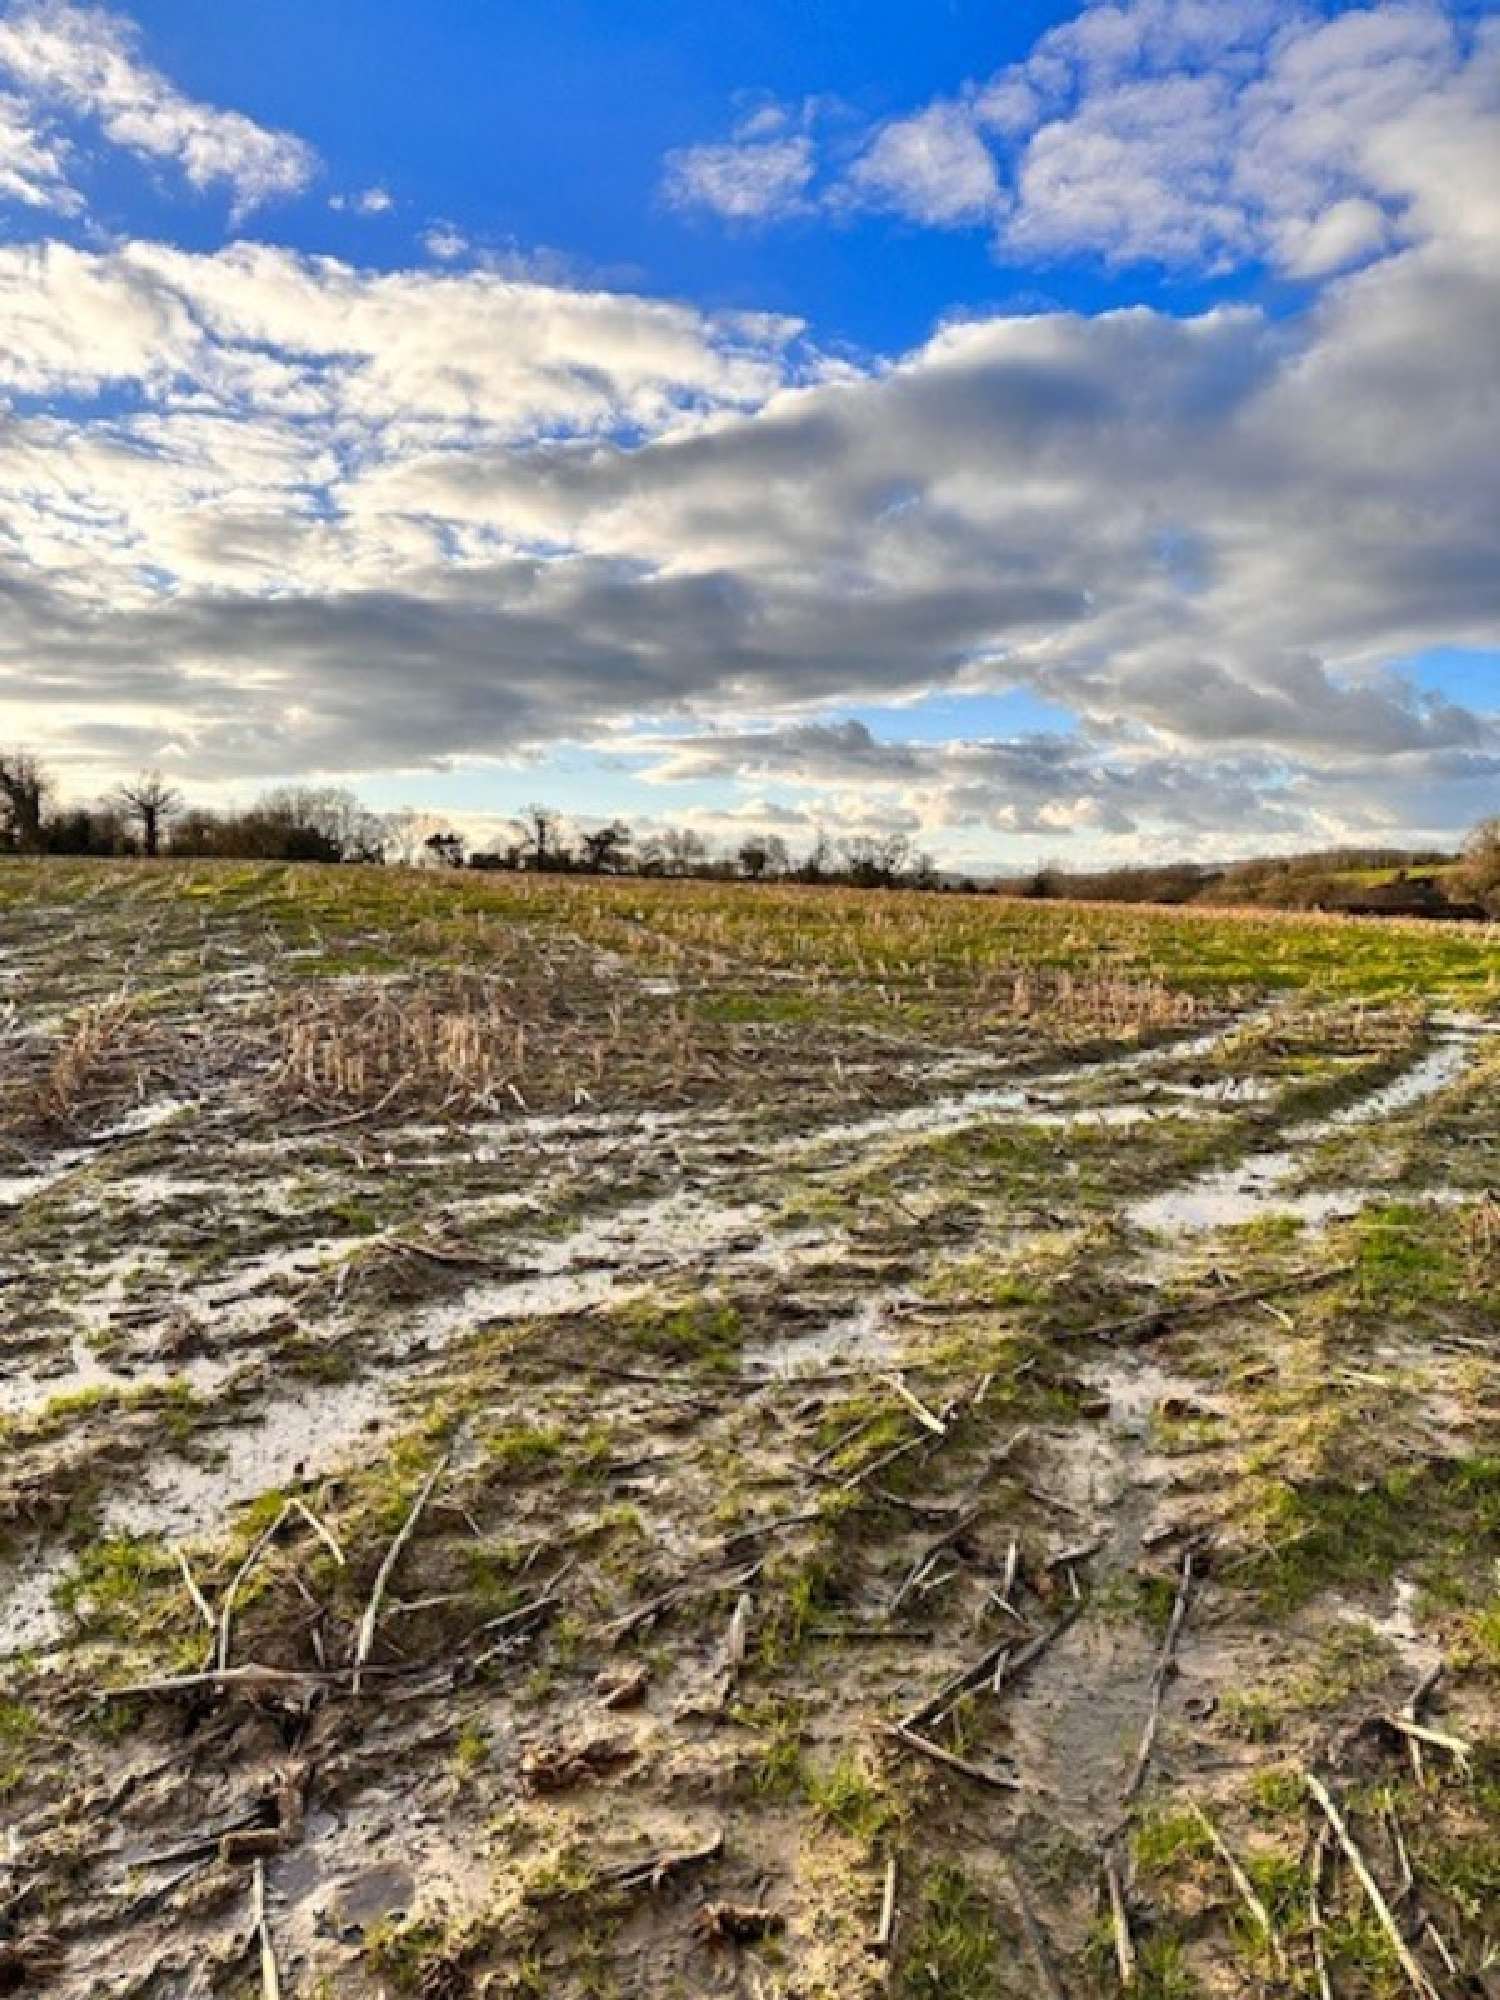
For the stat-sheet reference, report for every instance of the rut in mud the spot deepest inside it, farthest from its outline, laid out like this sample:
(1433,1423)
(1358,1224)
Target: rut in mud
(669,1448)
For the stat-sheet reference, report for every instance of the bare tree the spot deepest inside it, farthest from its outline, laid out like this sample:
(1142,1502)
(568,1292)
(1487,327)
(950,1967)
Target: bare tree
(406,833)
(818,860)
(24,786)
(1481,864)
(341,827)
(778,855)
(150,802)
(541,833)
(683,850)
(605,848)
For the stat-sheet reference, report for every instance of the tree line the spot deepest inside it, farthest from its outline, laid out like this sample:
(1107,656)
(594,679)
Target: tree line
(149,816)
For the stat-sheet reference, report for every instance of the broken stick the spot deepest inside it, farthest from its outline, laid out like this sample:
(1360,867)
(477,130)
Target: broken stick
(1165,1666)
(367,1624)
(1420,1984)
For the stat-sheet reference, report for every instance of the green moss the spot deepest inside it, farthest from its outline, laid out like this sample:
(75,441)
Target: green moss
(127,1588)
(704,1333)
(18,1731)
(799,1590)
(956,1949)
(850,1798)
(1163,1972)
(778,1770)
(1422,1518)
(1277,1793)
(401,1951)
(1168,1836)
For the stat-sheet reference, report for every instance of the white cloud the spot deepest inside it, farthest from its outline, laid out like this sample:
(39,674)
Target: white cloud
(369,201)
(933,167)
(33,162)
(748,179)
(1183,133)
(1196,133)
(444,242)
(399,348)
(86,61)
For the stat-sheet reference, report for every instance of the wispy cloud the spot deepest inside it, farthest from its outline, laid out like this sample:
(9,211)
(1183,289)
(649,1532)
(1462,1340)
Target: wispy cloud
(86,62)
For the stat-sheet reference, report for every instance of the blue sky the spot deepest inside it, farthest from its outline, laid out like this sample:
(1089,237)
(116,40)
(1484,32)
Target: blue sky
(1059,431)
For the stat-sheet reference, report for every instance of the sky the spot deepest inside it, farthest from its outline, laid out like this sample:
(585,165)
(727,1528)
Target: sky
(1058,433)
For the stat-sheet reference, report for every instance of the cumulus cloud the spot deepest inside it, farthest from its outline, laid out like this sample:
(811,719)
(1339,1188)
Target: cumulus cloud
(1180,132)
(86,62)
(758,176)
(933,167)
(1040,792)
(255,326)
(1202,133)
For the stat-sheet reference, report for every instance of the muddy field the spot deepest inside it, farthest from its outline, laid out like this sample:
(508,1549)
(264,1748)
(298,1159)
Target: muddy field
(583,1439)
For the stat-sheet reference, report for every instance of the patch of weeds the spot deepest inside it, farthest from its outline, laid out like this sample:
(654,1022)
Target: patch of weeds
(1326,1534)
(1404,1257)
(352,1216)
(1279,1881)
(471,1750)
(560,1875)
(1465,1868)
(517,1449)
(778,1771)
(703,1333)
(1350,1657)
(1480,1644)
(401,1950)
(1181,1435)
(124,1587)
(18,1728)
(1356,1944)
(956,1949)
(1156,1599)
(1277,1793)
(1168,1836)
(801,1590)
(850,1798)
(1250,1714)
(1163,1972)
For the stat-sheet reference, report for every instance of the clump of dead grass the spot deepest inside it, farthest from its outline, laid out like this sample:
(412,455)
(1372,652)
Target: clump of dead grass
(91,1067)
(451,1045)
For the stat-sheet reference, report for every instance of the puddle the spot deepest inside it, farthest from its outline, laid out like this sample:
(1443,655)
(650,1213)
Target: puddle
(1258,1185)
(29,1390)
(16,1189)
(301,1437)
(1028,1098)
(865,1334)
(146,1118)
(617,1257)
(1398,1626)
